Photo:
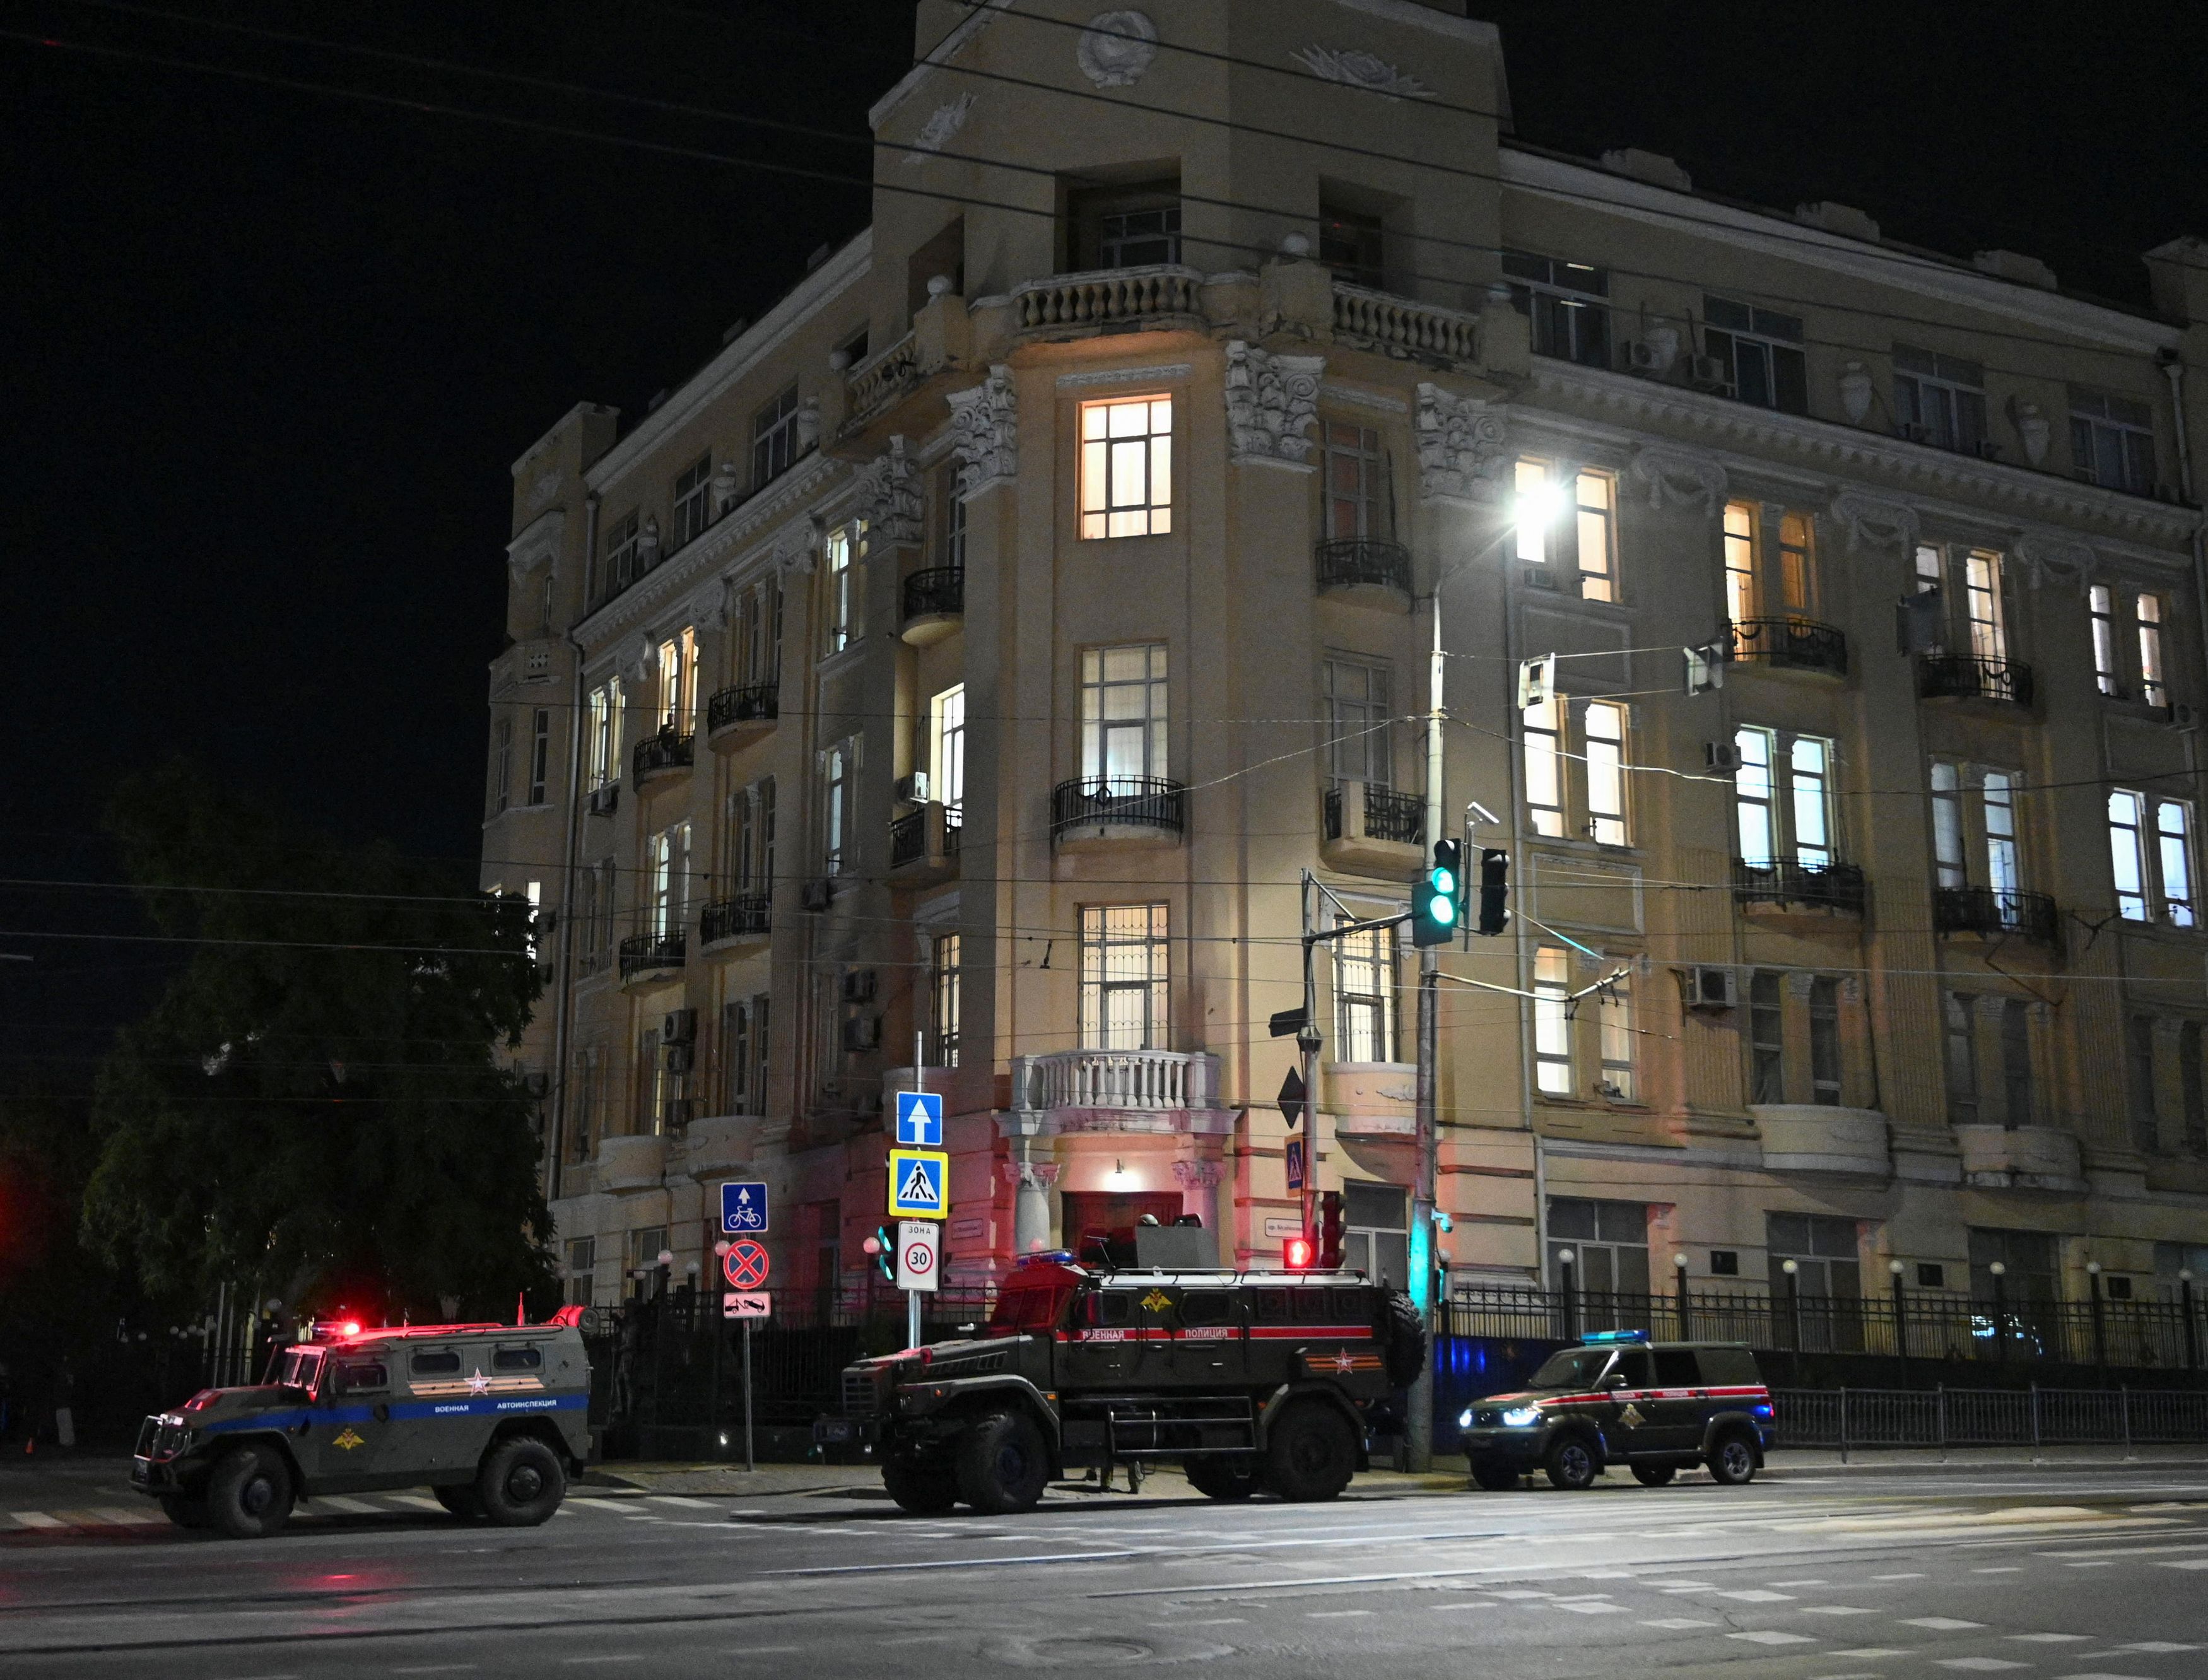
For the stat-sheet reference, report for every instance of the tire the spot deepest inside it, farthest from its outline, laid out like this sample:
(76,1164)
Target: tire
(1732,1460)
(1571,1464)
(924,1486)
(249,1495)
(1310,1453)
(1406,1354)
(1654,1475)
(1003,1464)
(1227,1479)
(462,1502)
(184,1511)
(1495,1476)
(521,1484)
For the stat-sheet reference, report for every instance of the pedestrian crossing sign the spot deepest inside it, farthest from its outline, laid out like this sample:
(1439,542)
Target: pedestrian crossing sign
(918,1183)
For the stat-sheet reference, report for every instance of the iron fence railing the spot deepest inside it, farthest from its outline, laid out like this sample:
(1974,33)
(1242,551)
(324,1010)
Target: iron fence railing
(1345,562)
(1797,644)
(1950,1416)
(642,952)
(746,916)
(1916,1324)
(1136,801)
(1401,817)
(1825,886)
(1987,910)
(665,751)
(908,838)
(1966,676)
(940,590)
(750,703)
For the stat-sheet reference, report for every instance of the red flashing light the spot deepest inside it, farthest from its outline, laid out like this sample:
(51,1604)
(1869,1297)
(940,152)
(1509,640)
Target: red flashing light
(349,1328)
(1299,1252)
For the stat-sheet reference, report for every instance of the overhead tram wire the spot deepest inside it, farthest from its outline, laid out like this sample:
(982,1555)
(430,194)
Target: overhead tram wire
(875,183)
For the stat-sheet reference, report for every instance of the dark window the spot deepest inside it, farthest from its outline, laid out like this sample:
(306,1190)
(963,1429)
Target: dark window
(1133,226)
(774,439)
(1676,1368)
(1111,1306)
(1566,302)
(363,1378)
(1760,353)
(2120,1289)
(1767,1034)
(1310,1306)
(1728,1367)
(1348,1306)
(1931,1275)
(1206,1306)
(436,1362)
(517,1358)
(1725,1263)
(1351,244)
(1272,1306)
(1633,1366)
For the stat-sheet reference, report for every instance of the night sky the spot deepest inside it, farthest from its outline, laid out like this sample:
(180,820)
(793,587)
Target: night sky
(267,353)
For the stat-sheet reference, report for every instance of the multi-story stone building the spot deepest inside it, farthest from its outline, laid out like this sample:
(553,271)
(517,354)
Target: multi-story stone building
(977,653)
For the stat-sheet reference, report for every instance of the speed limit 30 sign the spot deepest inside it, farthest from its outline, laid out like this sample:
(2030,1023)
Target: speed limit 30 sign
(919,1255)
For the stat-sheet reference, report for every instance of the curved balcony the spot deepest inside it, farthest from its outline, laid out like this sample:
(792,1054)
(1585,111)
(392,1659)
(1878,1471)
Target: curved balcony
(646,955)
(1991,914)
(743,713)
(632,1163)
(662,754)
(737,921)
(1964,676)
(1064,303)
(1116,1090)
(1791,644)
(1115,807)
(1785,886)
(934,602)
(1366,569)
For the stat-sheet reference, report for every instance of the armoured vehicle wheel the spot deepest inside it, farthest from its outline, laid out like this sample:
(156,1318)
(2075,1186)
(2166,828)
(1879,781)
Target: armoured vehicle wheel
(462,1501)
(249,1494)
(1571,1464)
(1236,1478)
(924,1486)
(1406,1340)
(1312,1454)
(1002,1464)
(520,1484)
(1495,1478)
(1732,1462)
(184,1511)
(1654,1475)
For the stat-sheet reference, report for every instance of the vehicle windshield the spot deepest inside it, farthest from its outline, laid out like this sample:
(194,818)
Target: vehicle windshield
(1573,1368)
(296,1367)
(1034,1308)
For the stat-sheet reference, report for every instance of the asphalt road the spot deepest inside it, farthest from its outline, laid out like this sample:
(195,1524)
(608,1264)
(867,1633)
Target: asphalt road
(2096,1572)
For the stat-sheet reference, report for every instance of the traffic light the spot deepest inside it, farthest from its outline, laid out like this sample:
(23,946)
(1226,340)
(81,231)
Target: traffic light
(1436,903)
(1330,1233)
(1297,1252)
(1494,890)
(881,1248)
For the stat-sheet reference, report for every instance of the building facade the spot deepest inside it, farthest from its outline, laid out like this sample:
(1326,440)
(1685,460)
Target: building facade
(959,677)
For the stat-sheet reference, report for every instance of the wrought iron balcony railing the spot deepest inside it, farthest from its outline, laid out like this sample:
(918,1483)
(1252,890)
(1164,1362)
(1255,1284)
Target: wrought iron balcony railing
(1118,802)
(1390,816)
(743,917)
(748,703)
(665,751)
(643,953)
(1793,643)
(938,591)
(1989,910)
(1968,677)
(1346,562)
(1821,886)
(909,837)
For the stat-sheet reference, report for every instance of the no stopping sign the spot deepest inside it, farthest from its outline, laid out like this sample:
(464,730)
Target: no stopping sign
(745,1264)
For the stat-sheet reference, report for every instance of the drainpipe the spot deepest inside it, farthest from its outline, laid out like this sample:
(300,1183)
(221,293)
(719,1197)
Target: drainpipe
(2173,369)
(565,983)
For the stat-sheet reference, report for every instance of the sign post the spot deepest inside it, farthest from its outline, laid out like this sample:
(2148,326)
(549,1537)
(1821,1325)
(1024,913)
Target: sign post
(747,1306)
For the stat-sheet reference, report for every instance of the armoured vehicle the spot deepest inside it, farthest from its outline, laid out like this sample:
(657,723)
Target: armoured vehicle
(492,1418)
(1655,1408)
(1252,1381)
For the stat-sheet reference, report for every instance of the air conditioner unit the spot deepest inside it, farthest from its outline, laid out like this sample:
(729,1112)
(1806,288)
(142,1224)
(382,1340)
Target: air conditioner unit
(1539,577)
(1644,358)
(816,895)
(863,1032)
(679,1027)
(682,1058)
(1708,373)
(2184,716)
(913,790)
(1721,757)
(1709,986)
(859,985)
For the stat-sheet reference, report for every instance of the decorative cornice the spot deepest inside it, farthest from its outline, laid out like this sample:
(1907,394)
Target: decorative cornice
(934,133)
(2054,554)
(1681,476)
(1843,450)
(1150,375)
(1461,446)
(985,432)
(1354,68)
(1874,523)
(889,489)
(1272,403)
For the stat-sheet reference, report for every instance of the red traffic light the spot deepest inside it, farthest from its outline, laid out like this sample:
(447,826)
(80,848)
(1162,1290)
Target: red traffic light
(1299,1252)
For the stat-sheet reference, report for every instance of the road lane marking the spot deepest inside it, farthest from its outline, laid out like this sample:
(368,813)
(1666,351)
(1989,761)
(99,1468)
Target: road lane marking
(1872,1652)
(2005,1569)
(2051,1639)
(37,1519)
(2156,1645)
(1770,1636)
(1837,1610)
(1941,1624)
(1978,1665)
(1590,1607)
(678,1499)
(1213,1622)
(2183,1563)
(420,1502)
(1756,1595)
(622,1657)
(1811,1580)
(1675,1624)
(1330,1615)
(351,1507)
(439,1668)
(1912,1574)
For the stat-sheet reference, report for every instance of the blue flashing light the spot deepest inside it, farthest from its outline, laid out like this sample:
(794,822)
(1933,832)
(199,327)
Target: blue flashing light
(1056,1257)
(1763,1411)
(1611,1338)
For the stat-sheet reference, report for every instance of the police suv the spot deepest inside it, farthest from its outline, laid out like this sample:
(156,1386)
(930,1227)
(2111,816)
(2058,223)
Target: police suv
(1250,1381)
(1655,1408)
(492,1418)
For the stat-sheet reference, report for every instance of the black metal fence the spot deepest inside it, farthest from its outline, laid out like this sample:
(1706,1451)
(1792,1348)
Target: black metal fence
(1917,1325)
(1800,644)
(1136,802)
(2029,1417)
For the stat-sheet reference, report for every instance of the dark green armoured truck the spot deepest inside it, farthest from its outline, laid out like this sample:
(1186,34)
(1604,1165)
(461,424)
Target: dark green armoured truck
(1252,1381)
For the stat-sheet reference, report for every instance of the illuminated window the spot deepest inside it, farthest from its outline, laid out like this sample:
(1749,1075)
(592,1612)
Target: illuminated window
(774,439)
(1740,561)
(1567,523)
(1615,1031)
(540,755)
(1123,716)
(2173,824)
(1364,995)
(1605,772)
(842,584)
(1598,581)
(1126,467)
(1544,766)
(2127,855)
(2151,866)
(605,725)
(1810,771)
(2101,607)
(667,892)
(1797,575)
(947,723)
(1552,1025)
(678,679)
(1534,508)
(2149,650)
(1982,605)
(1783,798)
(694,500)
(1999,806)
(1125,968)
(1753,797)
(835,808)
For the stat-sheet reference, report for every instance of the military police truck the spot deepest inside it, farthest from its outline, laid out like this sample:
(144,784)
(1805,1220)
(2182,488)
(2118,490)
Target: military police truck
(1252,1381)
(492,1418)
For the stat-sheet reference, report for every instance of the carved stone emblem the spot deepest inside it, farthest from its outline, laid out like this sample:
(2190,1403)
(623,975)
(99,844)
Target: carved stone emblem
(1116,48)
(985,432)
(1872,522)
(1459,446)
(1353,68)
(1675,475)
(889,489)
(2047,554)
(1272,403)
(935,134)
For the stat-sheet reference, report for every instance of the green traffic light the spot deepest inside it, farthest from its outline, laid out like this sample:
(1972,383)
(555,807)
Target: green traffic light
(1443,883)
(1444,911)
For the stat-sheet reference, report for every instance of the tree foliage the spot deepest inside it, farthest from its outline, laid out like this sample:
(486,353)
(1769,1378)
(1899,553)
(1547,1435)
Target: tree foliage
(316,1109)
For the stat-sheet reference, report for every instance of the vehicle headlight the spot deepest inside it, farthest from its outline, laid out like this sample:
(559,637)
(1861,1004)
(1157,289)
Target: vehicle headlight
(1464,1418)
(1518,1417)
